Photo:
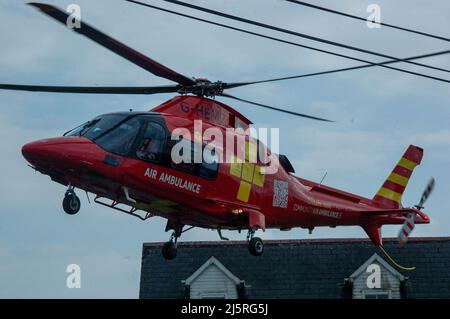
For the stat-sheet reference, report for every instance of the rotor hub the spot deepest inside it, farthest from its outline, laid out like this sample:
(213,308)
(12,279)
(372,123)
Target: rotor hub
(203,87)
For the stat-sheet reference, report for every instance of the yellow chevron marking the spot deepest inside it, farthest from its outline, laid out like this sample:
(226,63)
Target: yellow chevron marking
(398,179)
(390,194)
(244,191)
(258,178)
(250,152)
(405,163)
(235,168)
(247,172)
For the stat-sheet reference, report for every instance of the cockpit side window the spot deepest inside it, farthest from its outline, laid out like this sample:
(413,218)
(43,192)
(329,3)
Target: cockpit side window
(120,139)
(152,142)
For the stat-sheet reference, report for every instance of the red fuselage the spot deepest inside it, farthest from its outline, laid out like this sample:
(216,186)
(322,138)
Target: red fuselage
(227,196)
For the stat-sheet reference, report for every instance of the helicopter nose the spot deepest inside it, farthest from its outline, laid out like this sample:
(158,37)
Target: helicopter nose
(58,153)
(35,153)
(45,153)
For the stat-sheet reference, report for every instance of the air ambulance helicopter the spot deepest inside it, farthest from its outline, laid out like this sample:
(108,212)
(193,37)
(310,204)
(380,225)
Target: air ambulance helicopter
(126,160)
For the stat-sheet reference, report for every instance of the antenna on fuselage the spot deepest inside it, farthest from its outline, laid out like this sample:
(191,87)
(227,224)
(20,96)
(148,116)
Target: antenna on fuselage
(323,178)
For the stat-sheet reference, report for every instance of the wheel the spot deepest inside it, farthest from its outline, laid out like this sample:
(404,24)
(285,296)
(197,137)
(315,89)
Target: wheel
(169,250)
(256,246)
(71,204)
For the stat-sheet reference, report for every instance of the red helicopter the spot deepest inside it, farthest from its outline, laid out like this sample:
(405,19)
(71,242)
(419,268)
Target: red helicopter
(126,160)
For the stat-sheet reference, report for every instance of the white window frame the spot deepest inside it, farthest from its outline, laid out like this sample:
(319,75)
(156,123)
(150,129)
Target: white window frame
(214,295)
(377,292)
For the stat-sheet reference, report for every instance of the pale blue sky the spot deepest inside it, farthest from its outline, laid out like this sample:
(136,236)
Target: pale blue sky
(378,112)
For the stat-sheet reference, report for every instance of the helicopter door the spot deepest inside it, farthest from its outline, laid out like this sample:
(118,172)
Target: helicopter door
(117,138)
(146,155)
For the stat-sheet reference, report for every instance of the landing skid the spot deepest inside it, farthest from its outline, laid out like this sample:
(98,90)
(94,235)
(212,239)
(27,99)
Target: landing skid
(114,205)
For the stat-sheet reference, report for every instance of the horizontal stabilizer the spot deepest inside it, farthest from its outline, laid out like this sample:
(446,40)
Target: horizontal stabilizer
(389,211)
(402,211)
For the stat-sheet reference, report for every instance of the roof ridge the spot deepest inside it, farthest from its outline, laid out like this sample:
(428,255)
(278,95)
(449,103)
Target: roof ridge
(297,241)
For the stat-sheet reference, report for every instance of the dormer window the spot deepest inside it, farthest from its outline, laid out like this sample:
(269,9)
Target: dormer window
(376,279)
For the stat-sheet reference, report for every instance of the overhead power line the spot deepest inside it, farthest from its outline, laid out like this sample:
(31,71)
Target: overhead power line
(302,35)
(343,70)
(306,4)
(368,63)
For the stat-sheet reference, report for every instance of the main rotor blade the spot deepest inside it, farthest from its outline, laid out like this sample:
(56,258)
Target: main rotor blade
(232,85)
(92,89)
(115,46)
(275,108)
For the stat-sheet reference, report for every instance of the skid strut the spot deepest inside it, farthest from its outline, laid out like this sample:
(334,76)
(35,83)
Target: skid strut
(114,205)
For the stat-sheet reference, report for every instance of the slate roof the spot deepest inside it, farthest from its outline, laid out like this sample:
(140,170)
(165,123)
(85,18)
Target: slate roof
(298,268)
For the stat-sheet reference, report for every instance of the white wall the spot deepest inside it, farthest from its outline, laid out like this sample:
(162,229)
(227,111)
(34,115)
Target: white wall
(213,280)
(389,282)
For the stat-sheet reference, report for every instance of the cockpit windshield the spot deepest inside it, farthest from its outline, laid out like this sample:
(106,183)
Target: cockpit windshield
(96,127)
(117,132)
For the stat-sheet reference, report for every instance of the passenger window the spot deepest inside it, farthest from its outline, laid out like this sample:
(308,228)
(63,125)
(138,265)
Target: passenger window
(150,149)
(207,163)
(210,164)
(183,162)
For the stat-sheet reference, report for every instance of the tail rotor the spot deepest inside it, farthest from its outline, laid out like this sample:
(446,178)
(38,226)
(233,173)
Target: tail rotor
(426,193)
(409,223)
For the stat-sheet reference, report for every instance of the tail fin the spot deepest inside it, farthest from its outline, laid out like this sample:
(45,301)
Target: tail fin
(390,193)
